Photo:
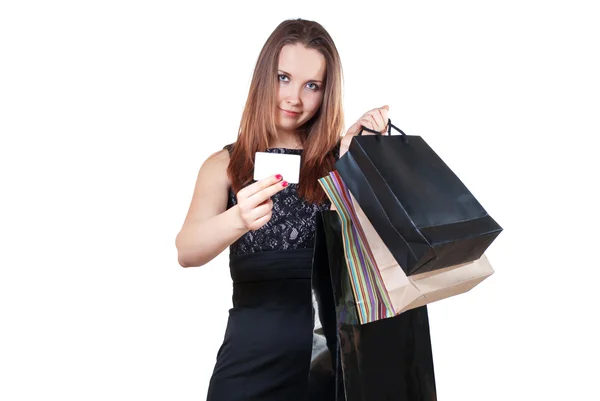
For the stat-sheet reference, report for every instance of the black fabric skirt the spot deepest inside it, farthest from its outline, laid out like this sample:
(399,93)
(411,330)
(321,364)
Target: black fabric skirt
(266,352)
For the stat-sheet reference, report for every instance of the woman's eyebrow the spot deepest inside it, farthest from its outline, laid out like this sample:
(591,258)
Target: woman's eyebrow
(311,80)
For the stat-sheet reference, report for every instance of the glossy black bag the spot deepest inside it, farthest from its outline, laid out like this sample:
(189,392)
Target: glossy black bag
(389,359)
(424,214)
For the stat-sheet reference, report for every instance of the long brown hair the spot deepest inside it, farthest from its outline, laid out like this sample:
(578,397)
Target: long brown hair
(319,136)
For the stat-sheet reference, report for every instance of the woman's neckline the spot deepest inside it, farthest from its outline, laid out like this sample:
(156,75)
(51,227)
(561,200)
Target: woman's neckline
(282,148)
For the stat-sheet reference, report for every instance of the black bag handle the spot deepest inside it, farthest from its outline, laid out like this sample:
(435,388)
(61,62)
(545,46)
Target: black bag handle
(390,126)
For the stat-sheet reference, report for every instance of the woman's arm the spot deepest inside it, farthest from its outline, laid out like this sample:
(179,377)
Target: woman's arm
(209,228)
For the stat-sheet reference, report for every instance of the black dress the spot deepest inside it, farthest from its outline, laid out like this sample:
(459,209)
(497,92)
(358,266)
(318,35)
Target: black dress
(266,352)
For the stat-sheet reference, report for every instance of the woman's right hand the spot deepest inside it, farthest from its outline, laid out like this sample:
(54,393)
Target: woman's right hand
(254,201)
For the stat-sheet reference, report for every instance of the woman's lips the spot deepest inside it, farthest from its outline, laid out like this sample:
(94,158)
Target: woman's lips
(290,113)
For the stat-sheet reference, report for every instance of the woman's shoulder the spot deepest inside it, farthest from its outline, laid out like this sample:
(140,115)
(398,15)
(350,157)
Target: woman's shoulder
(220,157)
(216,164)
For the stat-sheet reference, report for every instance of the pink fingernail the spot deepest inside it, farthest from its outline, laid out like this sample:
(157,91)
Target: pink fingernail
(279,176)
(285,183)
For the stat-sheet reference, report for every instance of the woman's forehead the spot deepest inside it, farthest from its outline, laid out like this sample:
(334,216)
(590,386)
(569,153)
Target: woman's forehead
(302,63)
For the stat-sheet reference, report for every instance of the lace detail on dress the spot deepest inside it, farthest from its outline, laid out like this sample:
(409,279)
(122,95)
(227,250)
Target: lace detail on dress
(292,225)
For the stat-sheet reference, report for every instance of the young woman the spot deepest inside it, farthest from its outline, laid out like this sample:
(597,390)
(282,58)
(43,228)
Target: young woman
(294,106)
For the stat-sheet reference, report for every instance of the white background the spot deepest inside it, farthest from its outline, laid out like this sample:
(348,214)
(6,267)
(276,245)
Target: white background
(108,109)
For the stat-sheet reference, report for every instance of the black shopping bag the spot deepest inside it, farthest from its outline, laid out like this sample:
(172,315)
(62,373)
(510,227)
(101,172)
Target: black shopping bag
(423,212)
(326,376)
(389,359)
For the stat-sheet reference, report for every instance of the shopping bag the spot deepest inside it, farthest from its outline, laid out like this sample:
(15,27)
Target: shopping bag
(396,292)
(372,300)
(423,212)
(326,376)
(389,359)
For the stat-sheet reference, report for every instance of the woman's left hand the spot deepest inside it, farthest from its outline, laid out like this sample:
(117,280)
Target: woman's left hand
(376,119)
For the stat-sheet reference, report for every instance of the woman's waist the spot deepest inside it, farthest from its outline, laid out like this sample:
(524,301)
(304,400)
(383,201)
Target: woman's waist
(293,264)
(272,280)
(280,294)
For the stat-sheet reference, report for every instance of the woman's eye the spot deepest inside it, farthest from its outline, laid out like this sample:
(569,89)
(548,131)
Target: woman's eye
(283,77)
(312,86)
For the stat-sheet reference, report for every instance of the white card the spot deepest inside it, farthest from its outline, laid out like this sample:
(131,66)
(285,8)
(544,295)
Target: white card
(268,164)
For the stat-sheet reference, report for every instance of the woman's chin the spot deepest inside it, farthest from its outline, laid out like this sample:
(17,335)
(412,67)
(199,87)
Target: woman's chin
(287,127)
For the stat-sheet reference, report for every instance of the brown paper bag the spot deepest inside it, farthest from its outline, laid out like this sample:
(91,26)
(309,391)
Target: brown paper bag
(409,292)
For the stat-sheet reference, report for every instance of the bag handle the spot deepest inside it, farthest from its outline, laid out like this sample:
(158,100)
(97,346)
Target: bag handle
(390,126)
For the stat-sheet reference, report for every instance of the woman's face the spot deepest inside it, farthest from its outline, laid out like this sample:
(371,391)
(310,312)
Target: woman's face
(301,75)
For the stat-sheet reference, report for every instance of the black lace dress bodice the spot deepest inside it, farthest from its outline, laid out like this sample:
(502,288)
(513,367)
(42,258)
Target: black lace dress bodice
(292,225)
